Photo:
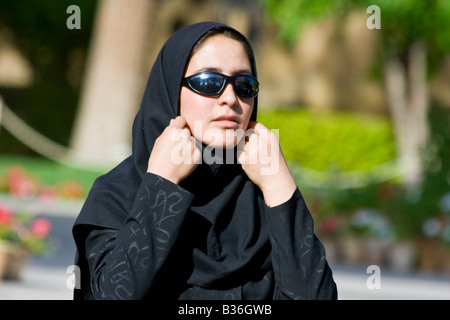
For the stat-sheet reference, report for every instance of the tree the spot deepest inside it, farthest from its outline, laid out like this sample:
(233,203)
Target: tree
(414,33)
(114,80)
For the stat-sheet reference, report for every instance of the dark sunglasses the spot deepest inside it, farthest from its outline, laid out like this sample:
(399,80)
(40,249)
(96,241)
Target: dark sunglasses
(213,83)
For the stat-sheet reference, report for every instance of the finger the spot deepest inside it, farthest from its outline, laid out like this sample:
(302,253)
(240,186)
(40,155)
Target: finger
(243,149)
(196,154)
(185,132)
(178,122)
(241,156)
(252,124)
(258,127)
(181,123)
(240,146)
(198,143)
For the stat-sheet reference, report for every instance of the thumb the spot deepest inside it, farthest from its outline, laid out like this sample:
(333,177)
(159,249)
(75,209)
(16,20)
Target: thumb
(257,127)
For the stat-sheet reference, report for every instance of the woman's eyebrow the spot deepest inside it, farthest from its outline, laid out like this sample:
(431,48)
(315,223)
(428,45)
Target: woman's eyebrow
(208,69)
(242,71)
(213,69)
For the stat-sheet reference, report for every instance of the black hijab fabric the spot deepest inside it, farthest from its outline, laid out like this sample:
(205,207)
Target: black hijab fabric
(224,197)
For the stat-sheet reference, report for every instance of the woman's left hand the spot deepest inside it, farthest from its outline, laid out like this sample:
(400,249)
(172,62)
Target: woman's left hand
(261,157)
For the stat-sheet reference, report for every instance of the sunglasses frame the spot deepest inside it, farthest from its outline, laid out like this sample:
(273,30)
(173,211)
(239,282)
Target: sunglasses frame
(228,79)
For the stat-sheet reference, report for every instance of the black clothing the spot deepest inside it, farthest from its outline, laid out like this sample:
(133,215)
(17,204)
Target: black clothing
(141,236)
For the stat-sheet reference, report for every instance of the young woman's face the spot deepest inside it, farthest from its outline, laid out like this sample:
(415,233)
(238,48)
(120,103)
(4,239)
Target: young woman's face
(219,121)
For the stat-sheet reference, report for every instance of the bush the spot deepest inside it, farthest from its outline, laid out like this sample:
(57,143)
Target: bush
(333,141)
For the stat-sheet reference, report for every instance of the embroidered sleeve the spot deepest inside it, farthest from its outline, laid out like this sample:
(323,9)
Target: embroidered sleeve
(124,263)
(298,257)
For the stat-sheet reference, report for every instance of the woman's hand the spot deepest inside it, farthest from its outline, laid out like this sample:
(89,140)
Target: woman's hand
(261,157)
(174,155)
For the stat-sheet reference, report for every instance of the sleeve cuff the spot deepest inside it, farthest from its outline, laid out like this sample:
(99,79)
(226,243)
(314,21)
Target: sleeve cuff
(283,207)
(154,180)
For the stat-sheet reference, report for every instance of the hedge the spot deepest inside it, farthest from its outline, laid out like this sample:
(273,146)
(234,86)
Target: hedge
(341,141)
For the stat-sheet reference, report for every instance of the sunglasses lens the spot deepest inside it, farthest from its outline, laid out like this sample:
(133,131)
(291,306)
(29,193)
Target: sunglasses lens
(207,84)
(246,86)
(212,84)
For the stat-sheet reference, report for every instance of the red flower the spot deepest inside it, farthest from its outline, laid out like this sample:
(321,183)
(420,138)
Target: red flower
(386,191)
(329,224)
(41,227)
(20,185)
(6,216)
(48,193)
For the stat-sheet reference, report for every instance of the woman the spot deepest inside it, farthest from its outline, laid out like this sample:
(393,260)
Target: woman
(170,223)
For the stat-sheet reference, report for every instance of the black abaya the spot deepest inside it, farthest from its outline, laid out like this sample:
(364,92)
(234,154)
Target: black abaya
(140,236)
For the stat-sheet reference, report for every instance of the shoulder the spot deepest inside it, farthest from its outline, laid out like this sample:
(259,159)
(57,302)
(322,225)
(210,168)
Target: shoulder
(110,197)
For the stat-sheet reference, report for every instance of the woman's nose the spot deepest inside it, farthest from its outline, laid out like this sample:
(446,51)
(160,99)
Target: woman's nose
(228,96)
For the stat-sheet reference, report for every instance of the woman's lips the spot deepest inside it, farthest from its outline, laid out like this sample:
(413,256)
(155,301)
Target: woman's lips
(226,121)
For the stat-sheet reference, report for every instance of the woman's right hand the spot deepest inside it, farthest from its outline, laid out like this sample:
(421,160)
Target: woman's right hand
(174,155)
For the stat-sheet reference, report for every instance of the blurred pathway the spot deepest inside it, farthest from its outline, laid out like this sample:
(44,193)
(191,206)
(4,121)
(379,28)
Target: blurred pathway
(352,285)
(45,282)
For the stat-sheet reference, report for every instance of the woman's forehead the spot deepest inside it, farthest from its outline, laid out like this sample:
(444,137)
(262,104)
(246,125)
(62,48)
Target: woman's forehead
(222,54)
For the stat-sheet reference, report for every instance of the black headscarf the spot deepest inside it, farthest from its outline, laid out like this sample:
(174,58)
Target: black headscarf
(225,198)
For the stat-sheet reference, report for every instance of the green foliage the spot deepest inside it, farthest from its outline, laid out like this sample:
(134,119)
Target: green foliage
(48,106)
(426,202)
(57,57)
(338,141)
(407,210)
(41,33)
(403,22)
(293,15)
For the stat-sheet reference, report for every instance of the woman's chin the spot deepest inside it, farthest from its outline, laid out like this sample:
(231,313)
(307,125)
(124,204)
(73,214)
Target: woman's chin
(215,145)
(222,139)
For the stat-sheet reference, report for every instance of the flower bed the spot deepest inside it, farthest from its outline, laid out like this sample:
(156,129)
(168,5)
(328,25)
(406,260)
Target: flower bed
(24,230)
(21,237)
(386,235)
(20,184)
(24,203)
